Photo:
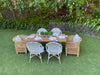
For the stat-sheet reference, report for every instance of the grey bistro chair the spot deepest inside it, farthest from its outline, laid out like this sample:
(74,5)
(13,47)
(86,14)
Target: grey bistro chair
(35,49)
(41,30)
(56,31)
(54,49)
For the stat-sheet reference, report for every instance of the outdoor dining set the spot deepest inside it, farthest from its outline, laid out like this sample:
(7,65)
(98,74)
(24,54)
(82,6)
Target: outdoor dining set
(53,43)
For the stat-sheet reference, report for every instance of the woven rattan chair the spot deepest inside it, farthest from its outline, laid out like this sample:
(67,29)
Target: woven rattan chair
(35,49)
(41,30)
(20,46)
(54,49)
(56,31)
(72,47)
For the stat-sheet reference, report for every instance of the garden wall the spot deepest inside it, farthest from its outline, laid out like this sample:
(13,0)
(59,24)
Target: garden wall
(84,30)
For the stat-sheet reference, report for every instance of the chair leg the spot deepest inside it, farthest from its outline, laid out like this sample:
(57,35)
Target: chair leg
(60,55)
(66,51)
(47,61)
(59,59)
(48,58)
(16,51)
(77,55)
(40,58)
(25,51)
(78,52)
(29,60)
(66,48)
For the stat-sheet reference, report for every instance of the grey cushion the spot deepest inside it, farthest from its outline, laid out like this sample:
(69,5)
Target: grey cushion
(76,38)
(17,38)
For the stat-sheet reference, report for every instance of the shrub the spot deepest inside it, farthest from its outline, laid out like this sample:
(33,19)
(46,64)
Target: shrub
(33,24)
(96,13)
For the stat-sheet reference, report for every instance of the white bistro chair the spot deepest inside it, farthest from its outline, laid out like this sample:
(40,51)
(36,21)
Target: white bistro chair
(56,31)
(35,49)
(41,30)
(54,49)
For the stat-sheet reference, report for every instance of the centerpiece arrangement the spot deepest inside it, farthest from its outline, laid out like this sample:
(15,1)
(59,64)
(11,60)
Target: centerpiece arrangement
(46,34)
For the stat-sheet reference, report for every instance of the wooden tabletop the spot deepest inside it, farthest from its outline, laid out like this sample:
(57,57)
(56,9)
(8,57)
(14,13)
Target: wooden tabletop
(46,39)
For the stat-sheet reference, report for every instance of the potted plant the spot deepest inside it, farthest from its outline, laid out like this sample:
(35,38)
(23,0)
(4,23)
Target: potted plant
(50,33)
(42,33)
(46,34)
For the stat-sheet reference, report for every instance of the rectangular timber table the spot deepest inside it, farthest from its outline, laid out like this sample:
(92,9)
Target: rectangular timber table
(46,39)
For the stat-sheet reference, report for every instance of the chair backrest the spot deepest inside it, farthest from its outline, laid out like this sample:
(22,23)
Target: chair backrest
(41,30)
(20,37)
(53,48)
(70,42)
(35,47)
(56,31)
(71,37)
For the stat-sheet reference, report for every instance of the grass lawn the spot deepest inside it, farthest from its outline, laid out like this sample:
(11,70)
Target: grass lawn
(18,64)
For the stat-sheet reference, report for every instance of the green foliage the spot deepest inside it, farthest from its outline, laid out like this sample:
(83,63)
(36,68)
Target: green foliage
(28,23)
(0,15)
(50,33)
(74,12)
(39,19)
(95,25)
(96,13)
(4,4)
(15,24)
(42,33)
(46,33)
(11,24)
(20,5)
(32,22)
